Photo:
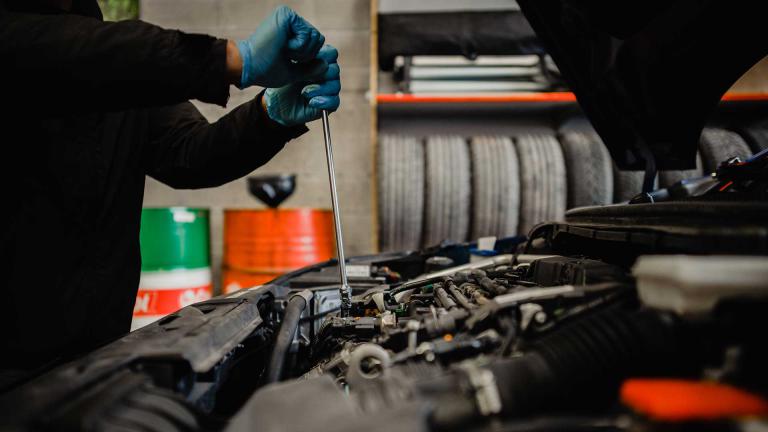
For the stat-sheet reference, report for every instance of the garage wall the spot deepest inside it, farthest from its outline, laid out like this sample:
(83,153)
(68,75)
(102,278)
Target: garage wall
(346,25)
(755,80)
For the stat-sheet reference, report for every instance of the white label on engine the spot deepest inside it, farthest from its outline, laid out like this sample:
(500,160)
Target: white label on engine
(358,271)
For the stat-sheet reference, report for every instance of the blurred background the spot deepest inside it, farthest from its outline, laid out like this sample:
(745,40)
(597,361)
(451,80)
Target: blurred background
(454,124)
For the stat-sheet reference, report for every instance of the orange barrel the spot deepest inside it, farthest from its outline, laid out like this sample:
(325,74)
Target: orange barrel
(175,262)
(235,280)
(276,241)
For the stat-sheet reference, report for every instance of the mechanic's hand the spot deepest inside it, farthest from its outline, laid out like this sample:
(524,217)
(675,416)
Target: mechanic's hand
(281,51)
(304,101)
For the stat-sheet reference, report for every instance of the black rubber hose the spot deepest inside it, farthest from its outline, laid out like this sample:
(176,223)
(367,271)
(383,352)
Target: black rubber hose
(584,364)
(296,305)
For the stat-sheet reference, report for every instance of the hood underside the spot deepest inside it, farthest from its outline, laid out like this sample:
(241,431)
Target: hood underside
(649,74)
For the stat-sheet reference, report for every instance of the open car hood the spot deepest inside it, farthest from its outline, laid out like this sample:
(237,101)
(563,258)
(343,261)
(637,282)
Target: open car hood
(649,74)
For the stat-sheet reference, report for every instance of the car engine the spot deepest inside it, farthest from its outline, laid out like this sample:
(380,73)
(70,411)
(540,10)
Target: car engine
(517,342)
(528,339)
(641,317)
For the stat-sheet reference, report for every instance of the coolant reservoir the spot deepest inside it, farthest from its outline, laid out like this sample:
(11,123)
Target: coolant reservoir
(694,285)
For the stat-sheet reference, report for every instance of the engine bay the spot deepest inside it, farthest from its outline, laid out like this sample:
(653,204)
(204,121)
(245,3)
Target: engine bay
(512,342)
(557,331)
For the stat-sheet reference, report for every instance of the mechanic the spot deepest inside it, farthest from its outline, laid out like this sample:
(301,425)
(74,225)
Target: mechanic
(91,108)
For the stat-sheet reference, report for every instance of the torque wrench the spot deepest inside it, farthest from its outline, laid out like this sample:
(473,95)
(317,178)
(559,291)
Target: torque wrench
(344,290)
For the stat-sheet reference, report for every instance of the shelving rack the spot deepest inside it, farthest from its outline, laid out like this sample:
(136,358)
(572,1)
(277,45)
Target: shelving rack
(383,105)
(564,97)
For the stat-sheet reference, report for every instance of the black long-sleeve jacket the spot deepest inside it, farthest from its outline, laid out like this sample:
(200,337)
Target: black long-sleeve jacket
(90,109)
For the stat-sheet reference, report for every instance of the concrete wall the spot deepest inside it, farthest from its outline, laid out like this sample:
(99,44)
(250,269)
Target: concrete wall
(755,80)
(346,25)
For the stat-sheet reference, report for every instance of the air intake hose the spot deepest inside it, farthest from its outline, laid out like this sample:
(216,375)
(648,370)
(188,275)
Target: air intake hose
(584,363)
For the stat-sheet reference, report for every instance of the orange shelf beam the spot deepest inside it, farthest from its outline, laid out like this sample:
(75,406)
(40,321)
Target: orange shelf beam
(400,98)
(745,97)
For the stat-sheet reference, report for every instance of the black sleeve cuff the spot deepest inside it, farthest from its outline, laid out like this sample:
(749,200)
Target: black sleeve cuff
(212,85)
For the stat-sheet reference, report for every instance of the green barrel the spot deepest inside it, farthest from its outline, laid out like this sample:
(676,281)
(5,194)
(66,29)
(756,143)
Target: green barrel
(175,267)
(174,238)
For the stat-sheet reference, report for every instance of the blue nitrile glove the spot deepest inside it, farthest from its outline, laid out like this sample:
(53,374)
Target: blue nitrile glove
(281,51)
(303,102)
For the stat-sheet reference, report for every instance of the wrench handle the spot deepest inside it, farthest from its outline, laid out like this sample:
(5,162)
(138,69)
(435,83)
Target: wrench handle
(344,290)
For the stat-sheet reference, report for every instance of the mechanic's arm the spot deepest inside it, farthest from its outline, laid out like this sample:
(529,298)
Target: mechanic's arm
(185,151)
(81,63)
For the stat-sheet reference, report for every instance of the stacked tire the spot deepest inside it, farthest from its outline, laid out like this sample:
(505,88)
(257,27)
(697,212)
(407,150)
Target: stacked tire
(437,188)
(542,179)
(719,145)
(495,187)
(755,133)
(451,188)
(400,165)
(447,198)
(589,168)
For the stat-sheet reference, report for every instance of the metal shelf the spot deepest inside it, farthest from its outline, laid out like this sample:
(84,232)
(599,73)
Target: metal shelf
(548,97)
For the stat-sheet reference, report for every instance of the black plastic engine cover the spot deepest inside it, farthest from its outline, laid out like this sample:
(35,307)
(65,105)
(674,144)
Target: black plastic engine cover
(574,271)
